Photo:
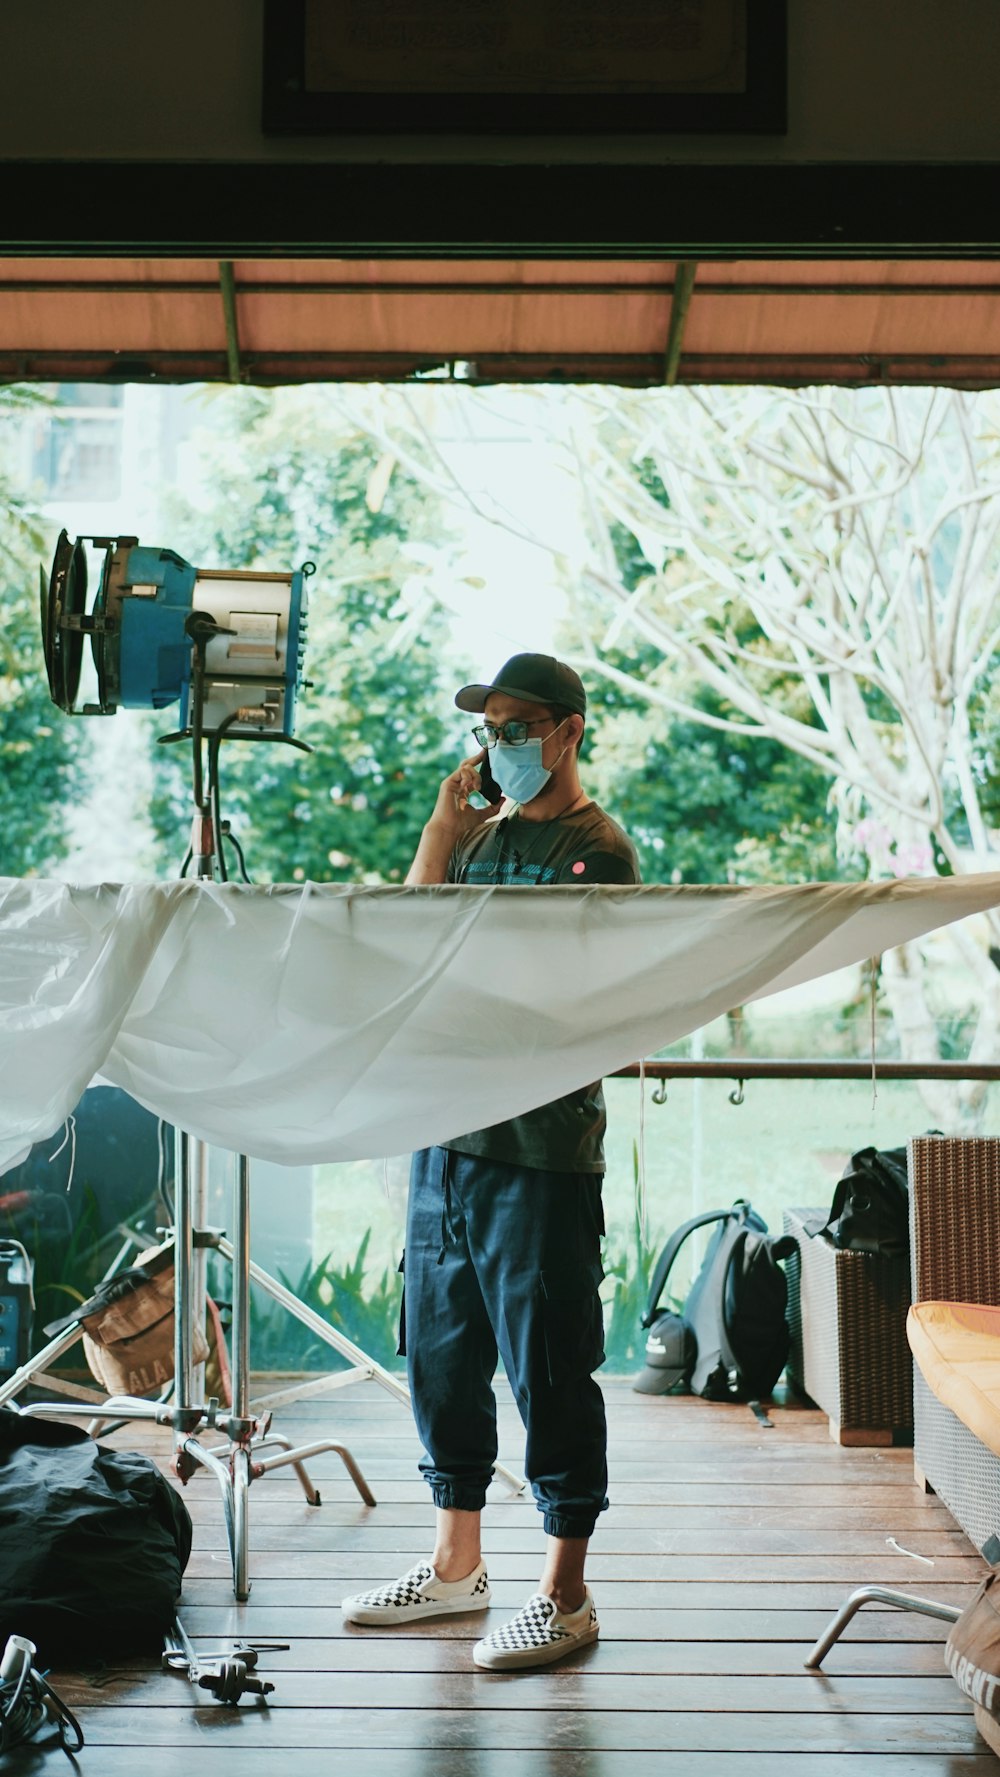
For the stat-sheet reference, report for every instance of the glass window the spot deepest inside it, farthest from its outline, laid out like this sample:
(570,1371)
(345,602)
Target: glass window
(78,443)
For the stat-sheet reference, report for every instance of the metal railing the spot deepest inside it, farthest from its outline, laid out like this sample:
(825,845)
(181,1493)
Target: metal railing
(745,1067)
(741,1068)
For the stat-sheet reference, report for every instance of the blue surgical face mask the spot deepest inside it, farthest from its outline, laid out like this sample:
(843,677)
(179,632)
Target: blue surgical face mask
(519,770)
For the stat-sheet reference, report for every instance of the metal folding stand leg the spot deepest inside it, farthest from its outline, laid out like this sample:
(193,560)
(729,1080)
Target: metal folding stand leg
(925,1607)
(36,1370)
(982,1706)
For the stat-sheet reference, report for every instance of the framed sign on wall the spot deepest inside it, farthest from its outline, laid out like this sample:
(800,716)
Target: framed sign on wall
(524,67)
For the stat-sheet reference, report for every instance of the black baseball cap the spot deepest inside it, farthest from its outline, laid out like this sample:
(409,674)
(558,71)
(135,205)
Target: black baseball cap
(671,1349)
(538,678)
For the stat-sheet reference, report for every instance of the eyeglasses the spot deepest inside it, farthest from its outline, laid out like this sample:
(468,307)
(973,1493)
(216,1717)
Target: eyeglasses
(513,733)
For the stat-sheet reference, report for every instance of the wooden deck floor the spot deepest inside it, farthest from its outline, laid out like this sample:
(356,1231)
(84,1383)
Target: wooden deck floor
(727,1548)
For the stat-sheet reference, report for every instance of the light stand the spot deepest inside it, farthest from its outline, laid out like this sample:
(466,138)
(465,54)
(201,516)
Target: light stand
(239,1459)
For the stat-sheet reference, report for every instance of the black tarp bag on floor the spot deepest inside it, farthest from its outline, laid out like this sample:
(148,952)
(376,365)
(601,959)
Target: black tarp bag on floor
(93,1542)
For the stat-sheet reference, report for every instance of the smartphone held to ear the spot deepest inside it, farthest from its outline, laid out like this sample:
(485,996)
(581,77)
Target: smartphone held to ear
(488,786)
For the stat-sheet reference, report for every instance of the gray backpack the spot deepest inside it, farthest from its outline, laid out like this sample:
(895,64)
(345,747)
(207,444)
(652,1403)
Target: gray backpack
(730,1340)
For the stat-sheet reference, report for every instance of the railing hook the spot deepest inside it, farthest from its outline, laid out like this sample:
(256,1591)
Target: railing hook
(737,1096)
(659,1094)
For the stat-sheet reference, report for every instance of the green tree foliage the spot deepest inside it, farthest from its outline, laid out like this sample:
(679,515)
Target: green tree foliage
(40,759)
(984,724)
(288,481)
(702,804)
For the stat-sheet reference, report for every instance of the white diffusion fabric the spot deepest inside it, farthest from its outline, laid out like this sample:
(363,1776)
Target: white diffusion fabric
(303,1024)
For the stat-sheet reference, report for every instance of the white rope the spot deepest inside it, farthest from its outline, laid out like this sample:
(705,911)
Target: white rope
(641,1180)
(873,967)
(70,1136)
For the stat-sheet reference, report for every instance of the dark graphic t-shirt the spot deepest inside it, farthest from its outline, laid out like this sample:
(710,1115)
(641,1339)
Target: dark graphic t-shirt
(587,847)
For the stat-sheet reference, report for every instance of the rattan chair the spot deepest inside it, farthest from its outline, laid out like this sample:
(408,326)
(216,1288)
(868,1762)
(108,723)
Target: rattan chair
(955,1252)
(955,1256)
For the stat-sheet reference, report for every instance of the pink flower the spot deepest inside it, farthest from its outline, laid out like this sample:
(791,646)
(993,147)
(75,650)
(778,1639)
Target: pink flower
(916,859)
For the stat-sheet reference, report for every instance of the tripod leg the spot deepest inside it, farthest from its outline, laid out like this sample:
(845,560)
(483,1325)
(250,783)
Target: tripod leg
(199,1255)
(240,1460)
(241,1291)
(366,1367)
(296,1459)
(232,1471)
(183,1260)
(370,1369)
(241,1523)
(37,1364)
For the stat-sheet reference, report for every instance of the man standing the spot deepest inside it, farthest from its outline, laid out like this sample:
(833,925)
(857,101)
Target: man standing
(504,1224)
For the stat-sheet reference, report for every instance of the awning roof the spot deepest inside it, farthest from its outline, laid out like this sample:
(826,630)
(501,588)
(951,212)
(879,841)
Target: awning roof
(625,321)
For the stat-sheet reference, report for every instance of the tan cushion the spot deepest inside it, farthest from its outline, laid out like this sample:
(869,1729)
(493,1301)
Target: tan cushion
(957,1348)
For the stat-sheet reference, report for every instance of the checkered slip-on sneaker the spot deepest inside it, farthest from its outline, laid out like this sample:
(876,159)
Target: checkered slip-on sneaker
(538,1634)
(418,1593)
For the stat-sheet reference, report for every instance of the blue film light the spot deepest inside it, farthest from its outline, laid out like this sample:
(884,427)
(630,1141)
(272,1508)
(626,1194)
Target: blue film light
(150,606)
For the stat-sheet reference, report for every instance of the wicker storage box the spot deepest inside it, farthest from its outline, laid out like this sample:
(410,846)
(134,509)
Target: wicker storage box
(847,1313)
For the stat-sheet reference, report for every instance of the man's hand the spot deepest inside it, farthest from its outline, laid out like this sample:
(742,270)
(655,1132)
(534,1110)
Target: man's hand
(452,819)
(452,808)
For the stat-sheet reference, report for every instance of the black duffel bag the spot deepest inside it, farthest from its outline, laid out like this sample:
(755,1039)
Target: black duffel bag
(870,1208)
(93,1542)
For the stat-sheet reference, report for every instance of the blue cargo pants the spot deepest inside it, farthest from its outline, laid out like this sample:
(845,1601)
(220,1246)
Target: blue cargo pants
(503,1259)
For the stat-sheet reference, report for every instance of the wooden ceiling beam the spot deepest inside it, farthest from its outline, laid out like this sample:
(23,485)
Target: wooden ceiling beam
(684,280)
(227,285)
